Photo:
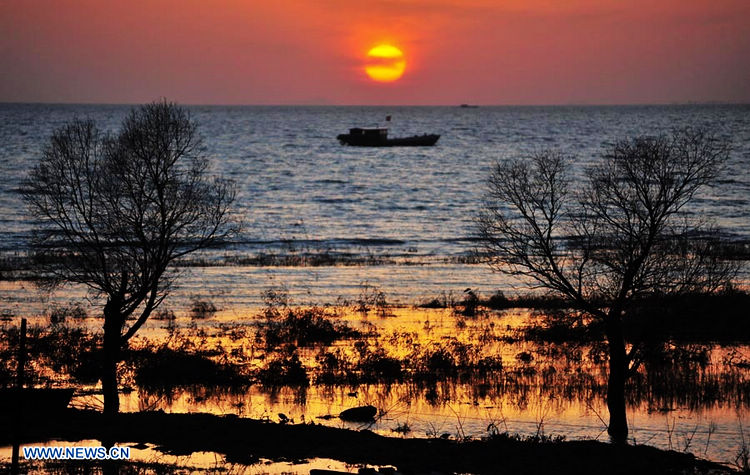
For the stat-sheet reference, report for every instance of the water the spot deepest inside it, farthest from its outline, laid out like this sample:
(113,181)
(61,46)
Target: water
(300,191)
(196,462)
(559,391)
(410,212)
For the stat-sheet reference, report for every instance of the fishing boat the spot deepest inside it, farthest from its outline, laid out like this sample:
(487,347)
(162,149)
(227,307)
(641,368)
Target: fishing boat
(378,137)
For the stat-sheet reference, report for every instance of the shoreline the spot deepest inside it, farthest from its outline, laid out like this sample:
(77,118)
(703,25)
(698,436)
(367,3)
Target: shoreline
(245,441)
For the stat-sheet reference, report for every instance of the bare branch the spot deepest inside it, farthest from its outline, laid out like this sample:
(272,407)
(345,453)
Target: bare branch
(115,212)
(624,233)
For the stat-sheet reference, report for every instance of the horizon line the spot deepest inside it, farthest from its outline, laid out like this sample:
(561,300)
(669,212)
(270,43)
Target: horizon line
(571,104)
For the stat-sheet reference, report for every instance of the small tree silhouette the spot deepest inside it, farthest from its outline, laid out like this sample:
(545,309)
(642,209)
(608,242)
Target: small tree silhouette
(115,212)
(622,235)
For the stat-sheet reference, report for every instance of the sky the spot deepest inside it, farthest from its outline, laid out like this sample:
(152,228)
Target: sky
(487,52)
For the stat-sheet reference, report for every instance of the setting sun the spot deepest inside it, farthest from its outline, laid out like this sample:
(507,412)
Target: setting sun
(386,63)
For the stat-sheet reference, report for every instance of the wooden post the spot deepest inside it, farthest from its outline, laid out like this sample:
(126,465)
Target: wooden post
(21,355)
(14,466)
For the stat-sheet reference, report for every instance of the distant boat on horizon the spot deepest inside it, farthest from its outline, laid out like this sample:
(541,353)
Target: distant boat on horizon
(468,106)
(378,137)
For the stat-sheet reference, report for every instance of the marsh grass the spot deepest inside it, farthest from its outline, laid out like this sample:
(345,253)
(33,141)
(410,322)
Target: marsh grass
(378,361)
(283,368)
(670,375)
(499,301)
(202,309)
(302,327)
(557,356)
(56,353)
(372,297)
(690,317)
(165,367)
(694,317)
(742,458)
(60,314)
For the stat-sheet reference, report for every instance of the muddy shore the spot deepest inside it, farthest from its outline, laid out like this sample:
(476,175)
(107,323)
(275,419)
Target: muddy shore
(246,441)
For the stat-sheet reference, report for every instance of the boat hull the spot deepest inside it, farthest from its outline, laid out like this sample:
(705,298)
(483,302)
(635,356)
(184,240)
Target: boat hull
(365,141)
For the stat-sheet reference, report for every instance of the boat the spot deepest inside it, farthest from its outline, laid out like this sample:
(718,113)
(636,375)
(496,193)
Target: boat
(468,106)
(378,137)
(35,400)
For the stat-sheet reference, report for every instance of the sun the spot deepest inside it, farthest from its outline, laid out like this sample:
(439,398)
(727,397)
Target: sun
(385,63)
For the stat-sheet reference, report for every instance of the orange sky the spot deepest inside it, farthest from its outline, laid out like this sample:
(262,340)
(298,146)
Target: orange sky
(312,51)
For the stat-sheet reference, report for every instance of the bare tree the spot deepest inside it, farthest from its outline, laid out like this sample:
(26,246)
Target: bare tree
(624,233)
(115,212)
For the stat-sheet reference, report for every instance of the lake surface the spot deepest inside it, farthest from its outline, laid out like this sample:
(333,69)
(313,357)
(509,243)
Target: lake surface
(301,193)
(397,220)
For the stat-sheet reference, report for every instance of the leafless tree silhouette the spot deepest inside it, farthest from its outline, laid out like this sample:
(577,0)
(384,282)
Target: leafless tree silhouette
(115,212)
(623,234)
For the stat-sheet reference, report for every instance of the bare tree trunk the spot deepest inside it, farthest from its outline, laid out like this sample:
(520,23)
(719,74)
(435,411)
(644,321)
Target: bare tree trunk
(111,357)
(618,423)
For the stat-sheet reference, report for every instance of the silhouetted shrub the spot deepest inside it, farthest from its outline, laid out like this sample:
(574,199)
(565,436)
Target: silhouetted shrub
(202,309)
(165,367)
(304,327)
(54,353)
(377,363)
(284,368)
(61,314)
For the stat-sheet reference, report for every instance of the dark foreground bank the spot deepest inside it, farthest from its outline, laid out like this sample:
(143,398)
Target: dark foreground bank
(246,441)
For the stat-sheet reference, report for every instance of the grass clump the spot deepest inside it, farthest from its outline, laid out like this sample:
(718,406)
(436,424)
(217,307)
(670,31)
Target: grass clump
(165,367)
(370,362)
(59,314)
(367,364)
(451,358)
(375,363)
(284,368)
(303,327)
(202,309)
(372,297)
(692,317)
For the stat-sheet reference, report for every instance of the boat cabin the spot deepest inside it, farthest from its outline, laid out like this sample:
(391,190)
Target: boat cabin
(369,132)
